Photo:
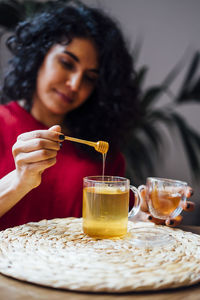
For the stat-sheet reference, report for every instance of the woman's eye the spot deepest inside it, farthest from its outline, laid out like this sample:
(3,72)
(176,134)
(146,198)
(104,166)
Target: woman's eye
(67,64)
(90,79)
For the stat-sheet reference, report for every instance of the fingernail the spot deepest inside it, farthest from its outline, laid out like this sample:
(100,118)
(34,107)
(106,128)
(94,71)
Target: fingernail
(150,218)
(188,205)
(171,222)
(61,137)
(61,145)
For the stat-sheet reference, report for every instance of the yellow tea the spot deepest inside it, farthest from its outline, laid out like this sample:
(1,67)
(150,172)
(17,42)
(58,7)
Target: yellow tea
(105,211)
(164,202)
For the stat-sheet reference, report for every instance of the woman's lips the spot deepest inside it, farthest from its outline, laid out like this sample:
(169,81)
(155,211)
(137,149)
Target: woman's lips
(65,97)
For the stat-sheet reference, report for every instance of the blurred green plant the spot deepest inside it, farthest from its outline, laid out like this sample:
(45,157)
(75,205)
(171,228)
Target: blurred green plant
(147,140)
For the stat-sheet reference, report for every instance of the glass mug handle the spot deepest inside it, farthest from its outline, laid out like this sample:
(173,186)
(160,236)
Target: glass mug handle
(137,202)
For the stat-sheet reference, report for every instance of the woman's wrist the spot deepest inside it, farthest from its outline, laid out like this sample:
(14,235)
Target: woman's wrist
(12,190)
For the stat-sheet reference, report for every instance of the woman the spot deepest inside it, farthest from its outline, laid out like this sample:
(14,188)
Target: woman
(70,67)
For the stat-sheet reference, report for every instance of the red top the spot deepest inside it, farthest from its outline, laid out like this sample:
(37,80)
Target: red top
(60,193)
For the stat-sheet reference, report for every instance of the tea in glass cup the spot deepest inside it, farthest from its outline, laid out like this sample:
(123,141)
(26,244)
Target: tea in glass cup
(165,196)
(106,206)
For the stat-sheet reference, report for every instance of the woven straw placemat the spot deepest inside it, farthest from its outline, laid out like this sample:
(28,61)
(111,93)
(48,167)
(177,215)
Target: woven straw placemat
(56,253)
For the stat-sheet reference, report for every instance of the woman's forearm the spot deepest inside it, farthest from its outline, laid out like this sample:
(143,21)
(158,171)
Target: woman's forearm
(11,191)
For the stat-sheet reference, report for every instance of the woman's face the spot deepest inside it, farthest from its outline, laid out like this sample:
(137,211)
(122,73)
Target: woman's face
(66,79)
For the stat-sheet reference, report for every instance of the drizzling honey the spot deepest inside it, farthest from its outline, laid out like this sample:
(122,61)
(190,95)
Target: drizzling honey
(104,161)
(99,146)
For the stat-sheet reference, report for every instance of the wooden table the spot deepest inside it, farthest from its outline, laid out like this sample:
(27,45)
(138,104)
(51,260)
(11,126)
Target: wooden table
(11,289)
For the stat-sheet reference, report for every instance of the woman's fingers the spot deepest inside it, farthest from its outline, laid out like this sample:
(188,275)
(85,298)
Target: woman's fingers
(55,128)
(33,141)
(40,166)
(50,134)
(34,156)
(189,192)
(142,190)
(169,222)
(188,206)
(36,151)
(174,222)
(155,220)
(33,145)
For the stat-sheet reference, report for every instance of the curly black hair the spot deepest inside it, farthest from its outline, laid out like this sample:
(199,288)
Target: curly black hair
(112,109)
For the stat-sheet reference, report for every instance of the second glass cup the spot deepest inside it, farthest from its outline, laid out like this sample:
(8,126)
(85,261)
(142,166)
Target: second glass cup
(106,206)
(164,197)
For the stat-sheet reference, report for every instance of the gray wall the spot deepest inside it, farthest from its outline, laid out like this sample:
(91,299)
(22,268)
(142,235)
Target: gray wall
(169,28)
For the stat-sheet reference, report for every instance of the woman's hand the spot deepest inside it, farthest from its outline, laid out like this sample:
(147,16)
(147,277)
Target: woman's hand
(188,206)
(34,152)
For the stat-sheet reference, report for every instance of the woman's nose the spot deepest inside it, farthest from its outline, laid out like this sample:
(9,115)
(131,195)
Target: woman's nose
(73,82)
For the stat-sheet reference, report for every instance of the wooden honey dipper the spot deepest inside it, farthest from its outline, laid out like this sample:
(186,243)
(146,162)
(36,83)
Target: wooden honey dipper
(99,146)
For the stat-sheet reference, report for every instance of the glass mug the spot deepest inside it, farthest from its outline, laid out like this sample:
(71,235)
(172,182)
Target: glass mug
(165,196)
(106,206)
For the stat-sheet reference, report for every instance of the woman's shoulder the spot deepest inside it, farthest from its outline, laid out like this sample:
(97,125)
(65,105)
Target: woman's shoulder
(13,112)
(8,114)
(13,116)
(7,109)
